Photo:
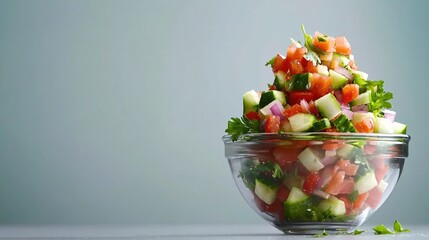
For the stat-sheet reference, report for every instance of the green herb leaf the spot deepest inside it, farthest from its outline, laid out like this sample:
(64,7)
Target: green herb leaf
(271,61)
(382,230)
(237,126)
(311,54)
(358,232)
(321,235)
(397,227)
(353,196)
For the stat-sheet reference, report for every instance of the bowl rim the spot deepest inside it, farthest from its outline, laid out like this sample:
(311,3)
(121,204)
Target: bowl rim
(317,136)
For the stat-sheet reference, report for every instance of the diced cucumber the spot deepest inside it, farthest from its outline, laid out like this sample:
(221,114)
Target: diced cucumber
(310,160)
(269,96)
(342,60)
(322,70)
(361,74)
(301,122)
(250,101)
(296,195)
(334,205)
(280,80)
(366,182)
(383,125)
(399,128)
(359,116)
(300,82)
(320,125)
(328,106)
(264,192)
(343,124)
(347,151)
(363,98)
(266,111)
(337,80)
(299,207)
(293,180)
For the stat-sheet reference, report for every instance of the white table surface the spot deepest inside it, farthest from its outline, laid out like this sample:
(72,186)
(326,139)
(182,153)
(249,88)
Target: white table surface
(211,232)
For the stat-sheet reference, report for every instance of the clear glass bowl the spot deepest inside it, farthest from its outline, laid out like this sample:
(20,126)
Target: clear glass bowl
(303,183)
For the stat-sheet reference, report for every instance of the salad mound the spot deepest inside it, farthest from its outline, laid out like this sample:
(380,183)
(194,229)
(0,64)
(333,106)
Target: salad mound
(317,87)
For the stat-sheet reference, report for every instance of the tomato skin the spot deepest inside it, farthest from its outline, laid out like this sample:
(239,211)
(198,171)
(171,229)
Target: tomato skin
(284,156)
(282,193)
(374,197)
(310,68)
(295,97)
(327,45)
(320,85)
(342,46)
(365,126)
(253,116)
(349,169)
(334,186)
(296,67)
(280,64)
(272,124)
(295,53)
(360,200)
(350,92)
(310,182)
(333,144)
(295,109)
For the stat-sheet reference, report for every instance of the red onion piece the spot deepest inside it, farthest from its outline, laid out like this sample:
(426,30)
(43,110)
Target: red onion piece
(338,95)
(277,109)
(325,177)
(344,72)
(321,194)
(347,112)
(388,114)
(304,105)
(360,108)
(328,160)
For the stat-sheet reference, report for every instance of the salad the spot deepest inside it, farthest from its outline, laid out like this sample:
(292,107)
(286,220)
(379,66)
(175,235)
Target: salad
(317,87)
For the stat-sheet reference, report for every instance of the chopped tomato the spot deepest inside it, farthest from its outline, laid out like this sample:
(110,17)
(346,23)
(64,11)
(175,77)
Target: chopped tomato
(360,200)
(261,205)
(282,193)
(311,68)
(349,169)
(295,53)
(280,64)
(272,124)
(350,92)
(252,116)
(310,182)
(295,97)
(347,186)
(374,197)
(365,126)
(275,207)
(342,46)
(377,162)
(295,109)
(381,172)
(284,156)
(312,108)
(320,85)
(334,186)
(296,67)
(332,144)
(323,42)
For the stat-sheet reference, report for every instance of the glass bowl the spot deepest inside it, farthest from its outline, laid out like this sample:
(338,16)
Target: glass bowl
(304,183)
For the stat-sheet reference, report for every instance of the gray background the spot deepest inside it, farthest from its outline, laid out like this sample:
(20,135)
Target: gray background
(112,112)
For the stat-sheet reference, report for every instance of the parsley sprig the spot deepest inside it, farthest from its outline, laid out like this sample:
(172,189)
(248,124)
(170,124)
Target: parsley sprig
(383,230)
(311,54)
(379,97)
(237,126)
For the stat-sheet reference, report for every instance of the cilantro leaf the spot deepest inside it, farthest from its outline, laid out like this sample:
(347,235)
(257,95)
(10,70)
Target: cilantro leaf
(237,126)
(382,230)
(358,232)
(353,196)
(397,227)
(311,54)
(271,61)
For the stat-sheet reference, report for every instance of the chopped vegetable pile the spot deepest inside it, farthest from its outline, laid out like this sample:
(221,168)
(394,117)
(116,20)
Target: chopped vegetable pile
(317,87)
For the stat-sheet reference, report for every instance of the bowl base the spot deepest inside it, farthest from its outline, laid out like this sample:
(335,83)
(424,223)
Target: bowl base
(312,228)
